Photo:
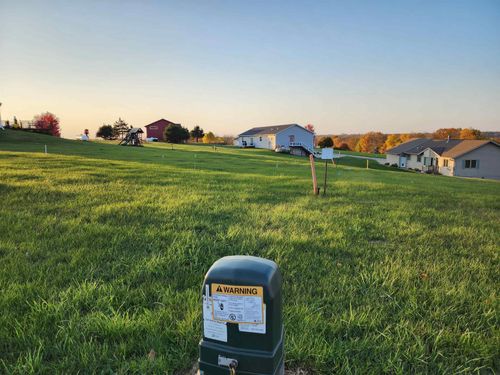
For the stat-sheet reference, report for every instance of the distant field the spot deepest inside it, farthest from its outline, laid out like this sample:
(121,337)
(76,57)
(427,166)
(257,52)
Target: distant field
(103,250)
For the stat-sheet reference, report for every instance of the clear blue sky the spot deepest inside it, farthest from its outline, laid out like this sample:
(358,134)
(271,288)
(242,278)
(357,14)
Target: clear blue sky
(344,66)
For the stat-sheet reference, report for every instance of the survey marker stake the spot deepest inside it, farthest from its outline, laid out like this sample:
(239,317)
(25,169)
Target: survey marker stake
(326,173)
(313,172)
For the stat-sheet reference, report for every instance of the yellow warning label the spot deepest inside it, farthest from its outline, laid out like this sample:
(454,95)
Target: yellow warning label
(237,290)
(238,303)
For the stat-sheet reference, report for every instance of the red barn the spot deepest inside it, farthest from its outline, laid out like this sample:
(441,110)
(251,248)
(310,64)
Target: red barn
(155,129)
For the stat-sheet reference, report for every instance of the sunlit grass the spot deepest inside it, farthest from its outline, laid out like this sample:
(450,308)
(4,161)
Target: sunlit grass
(103,250)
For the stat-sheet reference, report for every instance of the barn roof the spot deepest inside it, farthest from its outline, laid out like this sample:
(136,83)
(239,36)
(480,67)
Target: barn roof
(273,129)
(162,120)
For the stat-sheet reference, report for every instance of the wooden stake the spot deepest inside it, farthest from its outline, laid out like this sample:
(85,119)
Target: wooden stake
(313,172)
(326,173)
(45,148)
(367,163)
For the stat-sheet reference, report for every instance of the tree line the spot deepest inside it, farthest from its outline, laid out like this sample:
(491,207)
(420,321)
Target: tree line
(173,133)
(46,123)
(377,142)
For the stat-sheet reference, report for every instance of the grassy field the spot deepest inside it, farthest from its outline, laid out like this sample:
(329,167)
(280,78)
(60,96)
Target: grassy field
(103,250)
(371,155)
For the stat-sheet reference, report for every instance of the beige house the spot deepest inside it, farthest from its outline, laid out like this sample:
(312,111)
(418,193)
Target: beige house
(452,157)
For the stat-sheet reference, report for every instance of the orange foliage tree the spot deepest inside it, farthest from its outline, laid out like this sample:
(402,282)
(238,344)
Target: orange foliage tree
(391,141)
(444,133)
(371,142)
(470,133)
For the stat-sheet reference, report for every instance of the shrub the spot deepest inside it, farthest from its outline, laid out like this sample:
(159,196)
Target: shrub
(325,142)
(175,133)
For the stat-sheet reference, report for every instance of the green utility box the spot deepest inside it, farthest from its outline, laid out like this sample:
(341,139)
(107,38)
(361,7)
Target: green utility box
(242,318)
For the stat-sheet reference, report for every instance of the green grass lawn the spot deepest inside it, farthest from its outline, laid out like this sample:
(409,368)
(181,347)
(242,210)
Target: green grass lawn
(103,250)
(371,155)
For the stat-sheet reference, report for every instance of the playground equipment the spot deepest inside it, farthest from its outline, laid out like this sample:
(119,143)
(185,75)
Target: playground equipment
(133,138)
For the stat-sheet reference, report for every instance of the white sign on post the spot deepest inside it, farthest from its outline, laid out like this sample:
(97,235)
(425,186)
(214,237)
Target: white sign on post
(327,153)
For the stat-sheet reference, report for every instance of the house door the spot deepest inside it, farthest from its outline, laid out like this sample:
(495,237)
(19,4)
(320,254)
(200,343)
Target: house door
(402,162)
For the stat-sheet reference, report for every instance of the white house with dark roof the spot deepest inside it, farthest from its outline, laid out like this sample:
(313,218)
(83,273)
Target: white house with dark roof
(294,137)
(452,157)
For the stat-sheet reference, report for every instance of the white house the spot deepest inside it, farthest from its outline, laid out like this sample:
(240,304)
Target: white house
(293,137)
(452,157)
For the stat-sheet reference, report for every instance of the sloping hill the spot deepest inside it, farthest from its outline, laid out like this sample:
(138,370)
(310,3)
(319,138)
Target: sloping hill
(103,250)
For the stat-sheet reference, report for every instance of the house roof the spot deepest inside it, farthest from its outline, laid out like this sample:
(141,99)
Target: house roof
(465,147)
(273,129)
(419,145)
(161,121)
(451,148)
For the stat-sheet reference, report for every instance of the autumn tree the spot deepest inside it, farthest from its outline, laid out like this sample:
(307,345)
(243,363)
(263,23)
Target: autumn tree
(209,138)
(310,127)
(352,141)
(469,133)
(444,133)
(48,123)
(325,142)
(120,128)
(337,141)
(197,133)
(391,141)
(371,142)
(175,133)
(106,132)
(343,146)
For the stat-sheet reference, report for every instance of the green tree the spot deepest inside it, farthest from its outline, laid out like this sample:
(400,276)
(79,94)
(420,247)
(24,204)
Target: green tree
(120,128)
(197,133)
(175,133)
(106,132)
(325,142)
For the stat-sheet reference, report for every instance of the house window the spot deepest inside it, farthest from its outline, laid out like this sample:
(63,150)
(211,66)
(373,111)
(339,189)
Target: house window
(409,157)
(153,127)
(419,158)
(260,139)
(471,164)
(445,162)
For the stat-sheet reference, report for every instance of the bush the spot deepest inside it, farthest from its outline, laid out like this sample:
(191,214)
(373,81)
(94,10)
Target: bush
(394,165)
(325,142)
(106,132)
